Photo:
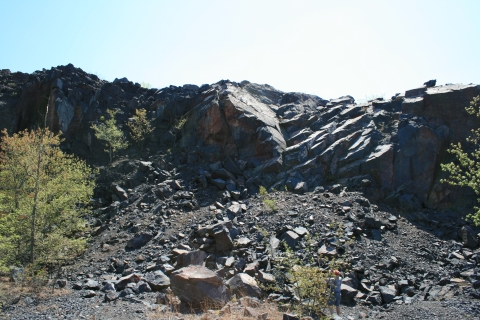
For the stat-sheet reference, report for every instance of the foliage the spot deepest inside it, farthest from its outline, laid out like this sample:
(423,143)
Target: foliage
(145,85)
(176,128)
(111,134)
(269,203)
(307,277)
(465,171)
(140,127)
(262,191)
(43,193)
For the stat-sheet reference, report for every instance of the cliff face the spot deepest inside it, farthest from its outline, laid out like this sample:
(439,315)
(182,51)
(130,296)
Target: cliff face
(390,149)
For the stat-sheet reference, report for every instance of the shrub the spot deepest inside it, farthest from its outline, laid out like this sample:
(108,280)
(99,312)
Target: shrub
(270,204)
(465,170)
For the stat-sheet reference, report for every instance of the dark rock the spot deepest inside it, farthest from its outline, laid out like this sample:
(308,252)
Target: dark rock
(244,285)
(139,240)
(110,296)
(388,294)
(469,237)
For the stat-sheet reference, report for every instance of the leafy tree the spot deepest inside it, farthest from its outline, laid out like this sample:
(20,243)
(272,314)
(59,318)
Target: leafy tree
(465,171)
(43,193)
(141,127)
(111,134)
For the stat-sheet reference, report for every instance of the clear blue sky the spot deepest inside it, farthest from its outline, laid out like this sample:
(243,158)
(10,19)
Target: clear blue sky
(328,48)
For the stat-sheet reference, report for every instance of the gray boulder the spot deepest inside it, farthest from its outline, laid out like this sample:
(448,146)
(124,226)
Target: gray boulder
(244,285)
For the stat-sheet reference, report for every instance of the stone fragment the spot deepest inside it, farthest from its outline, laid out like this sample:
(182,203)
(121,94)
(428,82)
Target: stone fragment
(244,285)
(186,258)
(139,240)
(290,238)
(223,241)
(469,237)
(157,280)
(327,251)
(121,283)
(110,296)
(388,294)
(348,293)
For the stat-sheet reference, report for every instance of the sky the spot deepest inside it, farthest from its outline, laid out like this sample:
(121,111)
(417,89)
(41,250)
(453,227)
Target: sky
(327,48)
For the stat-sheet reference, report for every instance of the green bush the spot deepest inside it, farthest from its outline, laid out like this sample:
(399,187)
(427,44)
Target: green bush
(465,170)
(270,204)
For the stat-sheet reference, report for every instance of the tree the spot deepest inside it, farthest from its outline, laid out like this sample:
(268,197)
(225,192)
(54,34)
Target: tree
(465,170)
(111,134)
(140,127)
(43,196)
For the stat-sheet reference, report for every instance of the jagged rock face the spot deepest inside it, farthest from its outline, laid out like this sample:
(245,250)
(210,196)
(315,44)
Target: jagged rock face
(270,138)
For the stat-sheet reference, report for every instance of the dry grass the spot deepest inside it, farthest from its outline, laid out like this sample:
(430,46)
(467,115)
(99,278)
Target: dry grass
(11,291)
(234,310)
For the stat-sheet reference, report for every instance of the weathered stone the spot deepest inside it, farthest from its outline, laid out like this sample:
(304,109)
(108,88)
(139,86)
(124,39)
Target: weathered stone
(327,251)
(348,293)
(109,286)
(219,183)
(157,280)
(244,285)
(121,283)
(388,294)
(186,258)
(290,238)
(92,285)
(265,277)
(198,285)
(469,237)
(89,294)
(251,268)
(139,240)
(223,242)
(110,296)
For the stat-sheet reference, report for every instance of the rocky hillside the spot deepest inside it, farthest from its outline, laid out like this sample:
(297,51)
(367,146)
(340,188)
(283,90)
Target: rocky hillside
(184,217)
(265,136)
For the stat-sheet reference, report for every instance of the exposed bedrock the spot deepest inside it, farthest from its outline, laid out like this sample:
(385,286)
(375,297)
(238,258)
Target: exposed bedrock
(389,148)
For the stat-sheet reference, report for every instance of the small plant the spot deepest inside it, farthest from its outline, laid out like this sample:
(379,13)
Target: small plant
(306,280)
(270,204)
(145,85)
(262,191)
(111,134)
(140,127)
(177,127)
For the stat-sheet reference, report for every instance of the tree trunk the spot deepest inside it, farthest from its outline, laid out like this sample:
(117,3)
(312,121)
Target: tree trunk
(35,199)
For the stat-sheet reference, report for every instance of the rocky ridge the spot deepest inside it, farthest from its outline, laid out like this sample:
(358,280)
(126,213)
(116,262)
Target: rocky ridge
(191,218)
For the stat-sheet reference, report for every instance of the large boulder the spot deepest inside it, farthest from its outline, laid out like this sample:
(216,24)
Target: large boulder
(197,285)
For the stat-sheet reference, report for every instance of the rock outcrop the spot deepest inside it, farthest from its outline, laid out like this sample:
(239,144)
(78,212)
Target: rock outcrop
(262,136)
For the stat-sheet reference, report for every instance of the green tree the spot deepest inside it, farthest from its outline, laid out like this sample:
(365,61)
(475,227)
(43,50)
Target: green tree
(140,127)
(465,170)
(43,196)
(110,134)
